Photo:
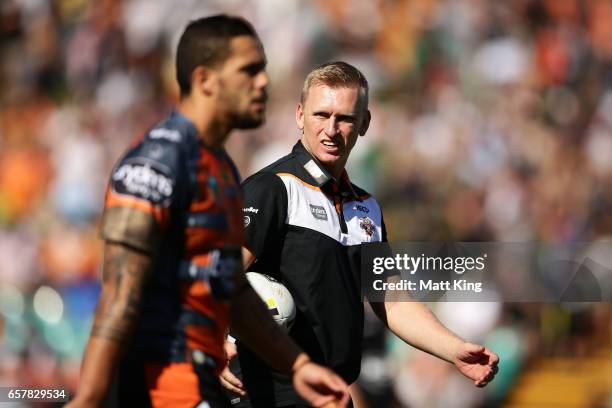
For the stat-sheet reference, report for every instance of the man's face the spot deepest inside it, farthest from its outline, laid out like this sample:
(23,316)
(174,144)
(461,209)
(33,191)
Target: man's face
(331,119)
(242,83)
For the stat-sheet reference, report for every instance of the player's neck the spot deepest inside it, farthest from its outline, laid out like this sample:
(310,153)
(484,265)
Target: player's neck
(211,130)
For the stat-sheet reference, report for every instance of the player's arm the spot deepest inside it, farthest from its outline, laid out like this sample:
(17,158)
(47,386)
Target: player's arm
(125,271)
(414,323)
(227,378)
(255,327)
(141,191)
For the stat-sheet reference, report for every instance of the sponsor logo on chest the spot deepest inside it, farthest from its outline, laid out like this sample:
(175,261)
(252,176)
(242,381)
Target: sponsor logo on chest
(361,208)
(318,212)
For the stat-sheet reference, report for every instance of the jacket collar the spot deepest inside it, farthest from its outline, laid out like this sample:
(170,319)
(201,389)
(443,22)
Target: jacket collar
(321,176)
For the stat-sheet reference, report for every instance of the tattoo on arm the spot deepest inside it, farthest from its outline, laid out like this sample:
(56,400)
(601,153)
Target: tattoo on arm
(124,275)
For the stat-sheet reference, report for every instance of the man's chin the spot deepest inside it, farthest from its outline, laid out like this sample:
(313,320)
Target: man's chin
(327,160)
(250,122)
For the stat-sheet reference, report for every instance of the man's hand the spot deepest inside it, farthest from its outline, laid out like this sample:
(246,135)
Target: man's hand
(320,386)
(228,380)
(477,363)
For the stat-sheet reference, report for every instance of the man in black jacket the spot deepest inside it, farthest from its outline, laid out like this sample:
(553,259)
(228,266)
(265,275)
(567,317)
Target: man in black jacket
(305,223)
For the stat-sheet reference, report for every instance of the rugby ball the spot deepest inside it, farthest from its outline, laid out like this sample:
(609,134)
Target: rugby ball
(276,296)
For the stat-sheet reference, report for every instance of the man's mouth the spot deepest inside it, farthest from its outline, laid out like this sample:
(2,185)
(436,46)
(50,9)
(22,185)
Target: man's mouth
(331,146)
(259,103)
(261,99)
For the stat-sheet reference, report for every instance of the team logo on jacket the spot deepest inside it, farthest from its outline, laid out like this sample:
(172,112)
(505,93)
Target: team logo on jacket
(367,225)
(318,212)
(247,221)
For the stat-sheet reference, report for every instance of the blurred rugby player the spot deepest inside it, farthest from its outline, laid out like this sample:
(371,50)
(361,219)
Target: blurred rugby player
(173,229)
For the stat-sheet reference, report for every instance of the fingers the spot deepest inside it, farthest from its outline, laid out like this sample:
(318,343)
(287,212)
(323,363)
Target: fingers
(341,390)
(487,378)
(485,355)
(337,384)
(331,402)
(493,358)
(320,386)
(337,394)
(230,382)
(346,398)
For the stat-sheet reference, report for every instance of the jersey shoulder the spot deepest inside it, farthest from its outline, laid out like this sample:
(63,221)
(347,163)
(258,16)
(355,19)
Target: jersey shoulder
(152,168)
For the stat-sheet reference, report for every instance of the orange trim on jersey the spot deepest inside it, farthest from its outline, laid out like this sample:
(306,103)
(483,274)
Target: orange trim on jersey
(172,385)
(118,200)
(300,180)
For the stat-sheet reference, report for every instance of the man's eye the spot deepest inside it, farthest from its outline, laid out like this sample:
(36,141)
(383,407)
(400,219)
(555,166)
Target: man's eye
(347,119)
(253,69)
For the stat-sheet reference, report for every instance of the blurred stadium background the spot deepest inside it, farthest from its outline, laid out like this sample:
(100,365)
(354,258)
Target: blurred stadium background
(492,121)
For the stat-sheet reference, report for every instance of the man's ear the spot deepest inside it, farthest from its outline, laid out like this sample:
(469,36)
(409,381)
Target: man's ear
(204,80)
(365,124)
(299,116)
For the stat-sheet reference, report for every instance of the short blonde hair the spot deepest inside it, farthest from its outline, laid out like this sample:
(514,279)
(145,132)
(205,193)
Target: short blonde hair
(337,74)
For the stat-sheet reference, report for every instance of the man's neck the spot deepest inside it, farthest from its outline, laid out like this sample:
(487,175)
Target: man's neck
(334,172)
(211,131)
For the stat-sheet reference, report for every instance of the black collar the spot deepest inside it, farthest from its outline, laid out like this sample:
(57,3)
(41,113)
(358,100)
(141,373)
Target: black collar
(321,176)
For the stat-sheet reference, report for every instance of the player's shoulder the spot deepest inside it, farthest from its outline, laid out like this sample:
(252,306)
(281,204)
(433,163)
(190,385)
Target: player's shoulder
(153,166)
(173,131)
(163,145)
(269,174)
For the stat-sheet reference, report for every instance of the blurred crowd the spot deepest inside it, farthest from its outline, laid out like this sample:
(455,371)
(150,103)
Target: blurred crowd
(492,121)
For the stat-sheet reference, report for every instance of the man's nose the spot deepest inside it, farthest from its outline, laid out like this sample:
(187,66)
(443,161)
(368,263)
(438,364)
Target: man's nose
(263,80)
(331,127)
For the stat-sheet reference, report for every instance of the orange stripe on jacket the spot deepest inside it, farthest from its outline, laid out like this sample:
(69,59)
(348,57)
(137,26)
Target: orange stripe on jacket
(161,214)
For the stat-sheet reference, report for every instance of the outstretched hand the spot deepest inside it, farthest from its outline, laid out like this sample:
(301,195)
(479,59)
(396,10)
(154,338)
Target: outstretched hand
(320,386)
(477,363)
(228,380)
